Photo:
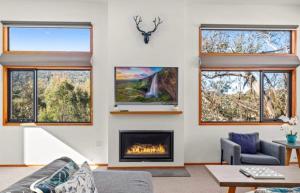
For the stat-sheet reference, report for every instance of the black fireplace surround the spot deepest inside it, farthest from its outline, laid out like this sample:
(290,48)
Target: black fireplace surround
(146,146)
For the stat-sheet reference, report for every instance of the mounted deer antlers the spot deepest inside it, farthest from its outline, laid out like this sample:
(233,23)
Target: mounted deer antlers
(138,19)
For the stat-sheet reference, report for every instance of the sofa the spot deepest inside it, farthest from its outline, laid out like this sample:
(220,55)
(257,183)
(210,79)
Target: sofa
(268,153)
(106,181)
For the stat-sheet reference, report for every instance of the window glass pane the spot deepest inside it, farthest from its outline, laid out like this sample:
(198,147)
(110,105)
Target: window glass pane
(230,96)
(21,96)
(49,39)
(276,94)
(64,96)
(247,42)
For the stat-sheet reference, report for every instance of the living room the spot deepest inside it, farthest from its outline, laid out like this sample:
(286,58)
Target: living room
(117,44)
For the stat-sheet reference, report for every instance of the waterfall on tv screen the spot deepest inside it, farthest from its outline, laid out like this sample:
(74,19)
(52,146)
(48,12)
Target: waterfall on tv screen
(153,91)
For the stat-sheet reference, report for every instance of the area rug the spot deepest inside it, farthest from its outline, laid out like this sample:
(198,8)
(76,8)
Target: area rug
(165,172)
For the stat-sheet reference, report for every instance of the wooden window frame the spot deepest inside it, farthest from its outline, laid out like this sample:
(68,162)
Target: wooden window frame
(292,93)
(293,48)
(6,50)
(5,112)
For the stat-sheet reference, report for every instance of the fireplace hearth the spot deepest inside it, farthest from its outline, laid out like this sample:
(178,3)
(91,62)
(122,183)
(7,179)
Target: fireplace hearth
(143,146)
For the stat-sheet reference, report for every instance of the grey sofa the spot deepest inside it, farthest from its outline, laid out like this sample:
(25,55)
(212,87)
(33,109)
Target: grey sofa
(106,181)
(268,153)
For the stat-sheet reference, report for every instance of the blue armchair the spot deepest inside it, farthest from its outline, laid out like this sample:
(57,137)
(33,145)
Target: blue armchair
(268,153)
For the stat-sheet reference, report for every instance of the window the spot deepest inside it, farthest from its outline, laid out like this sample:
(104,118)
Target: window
(47,39)
(245,96)
(246,41)
(47,73)
(22,96)
(247,74)
(276,95)
(49,95)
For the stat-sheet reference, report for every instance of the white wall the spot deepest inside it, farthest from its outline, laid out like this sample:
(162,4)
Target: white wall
(127,48)
(88,141)
(202,142)
(117,43)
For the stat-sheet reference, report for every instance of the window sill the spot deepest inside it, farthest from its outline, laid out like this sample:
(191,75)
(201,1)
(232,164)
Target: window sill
(48,124)
(238,123)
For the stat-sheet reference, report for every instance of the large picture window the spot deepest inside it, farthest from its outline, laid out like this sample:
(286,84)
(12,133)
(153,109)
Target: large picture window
(247,74)
(245,96)
(49,95)
(47,73)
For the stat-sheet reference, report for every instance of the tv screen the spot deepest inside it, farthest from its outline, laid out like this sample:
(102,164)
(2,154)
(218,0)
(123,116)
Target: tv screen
(146,85)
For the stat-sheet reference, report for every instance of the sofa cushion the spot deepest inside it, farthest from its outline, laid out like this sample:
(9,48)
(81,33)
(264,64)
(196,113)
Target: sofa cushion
(62,175)
(259,159)
(123,181)
(248,142)
(82,181)
(24,184)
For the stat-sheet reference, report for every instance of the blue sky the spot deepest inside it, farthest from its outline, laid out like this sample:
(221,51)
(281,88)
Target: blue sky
(49,39)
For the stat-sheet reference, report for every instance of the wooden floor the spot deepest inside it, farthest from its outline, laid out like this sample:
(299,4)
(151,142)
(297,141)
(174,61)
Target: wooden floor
(199,182)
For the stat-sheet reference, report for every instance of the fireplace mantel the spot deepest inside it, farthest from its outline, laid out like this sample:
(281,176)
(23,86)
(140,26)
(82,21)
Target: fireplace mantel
(146,112)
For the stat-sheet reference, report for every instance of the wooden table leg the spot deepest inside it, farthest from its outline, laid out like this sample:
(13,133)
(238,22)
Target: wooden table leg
(298,156)
(288,156)
(231,189)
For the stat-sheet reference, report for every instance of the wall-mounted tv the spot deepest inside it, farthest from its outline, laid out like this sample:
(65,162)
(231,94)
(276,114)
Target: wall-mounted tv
(146,85)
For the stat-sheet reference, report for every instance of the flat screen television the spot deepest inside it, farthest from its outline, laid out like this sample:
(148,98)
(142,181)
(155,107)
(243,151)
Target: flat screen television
(146,85)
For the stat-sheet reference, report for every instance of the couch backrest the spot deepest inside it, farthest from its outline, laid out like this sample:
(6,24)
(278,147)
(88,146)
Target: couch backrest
(23,186)
(257,139)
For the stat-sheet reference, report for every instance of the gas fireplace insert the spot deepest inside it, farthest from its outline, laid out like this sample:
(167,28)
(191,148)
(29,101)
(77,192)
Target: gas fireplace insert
(152,146)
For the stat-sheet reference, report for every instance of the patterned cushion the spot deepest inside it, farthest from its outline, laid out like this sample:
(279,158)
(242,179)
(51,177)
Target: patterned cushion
(47,184)
(278,190)
(81,182)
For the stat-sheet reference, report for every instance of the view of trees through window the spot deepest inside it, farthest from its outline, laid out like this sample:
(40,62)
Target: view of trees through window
(22,95)
(246,41)
(276,95)
(235,96)
(61,96)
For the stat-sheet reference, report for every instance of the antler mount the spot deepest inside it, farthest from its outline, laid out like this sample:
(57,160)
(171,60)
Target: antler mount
(138,20)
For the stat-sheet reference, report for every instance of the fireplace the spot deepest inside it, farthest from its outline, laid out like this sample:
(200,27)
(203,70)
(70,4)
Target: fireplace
(138,146)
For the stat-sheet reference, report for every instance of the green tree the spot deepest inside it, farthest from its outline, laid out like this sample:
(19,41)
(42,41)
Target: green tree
(64,102)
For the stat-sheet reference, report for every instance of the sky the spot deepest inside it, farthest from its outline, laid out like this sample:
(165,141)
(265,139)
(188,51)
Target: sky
(49,39)
(135,73)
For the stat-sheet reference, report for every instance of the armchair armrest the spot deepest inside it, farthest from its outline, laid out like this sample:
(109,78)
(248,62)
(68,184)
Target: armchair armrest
(273,149)
(231,152)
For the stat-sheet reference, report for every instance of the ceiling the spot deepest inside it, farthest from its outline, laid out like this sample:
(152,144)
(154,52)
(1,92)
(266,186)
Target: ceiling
(258,2)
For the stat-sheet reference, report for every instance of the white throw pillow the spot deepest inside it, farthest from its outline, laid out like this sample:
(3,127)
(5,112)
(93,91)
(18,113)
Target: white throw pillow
(82,181)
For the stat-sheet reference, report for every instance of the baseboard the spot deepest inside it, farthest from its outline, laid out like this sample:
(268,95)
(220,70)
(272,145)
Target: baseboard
(41,165)
(13,165)
(203,163)
(126,167)
(141,167)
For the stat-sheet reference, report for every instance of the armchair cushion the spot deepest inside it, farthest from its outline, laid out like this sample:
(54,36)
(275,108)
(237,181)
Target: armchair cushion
(248,142)
(259,159)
